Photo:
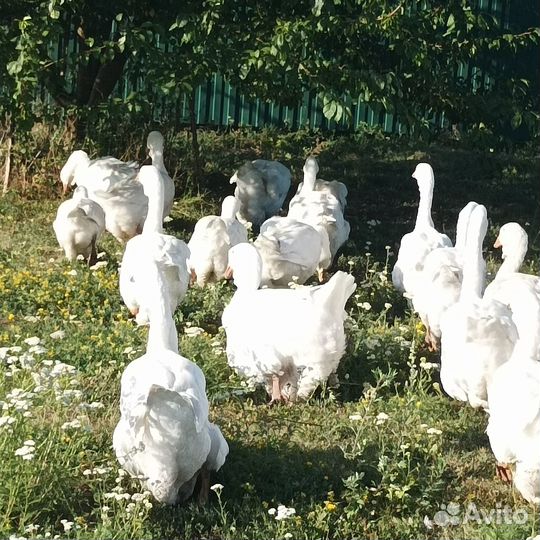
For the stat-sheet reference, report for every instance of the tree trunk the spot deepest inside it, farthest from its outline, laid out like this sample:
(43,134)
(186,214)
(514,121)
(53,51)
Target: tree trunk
(95,82)
(86,75)
(106,78)
(194,139)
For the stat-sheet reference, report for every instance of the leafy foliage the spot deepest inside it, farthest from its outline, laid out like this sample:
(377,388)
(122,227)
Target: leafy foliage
(409,58)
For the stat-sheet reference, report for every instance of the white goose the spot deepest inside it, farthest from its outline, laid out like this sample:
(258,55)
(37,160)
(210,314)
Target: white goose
(519,292)
(335,188)
(112,184)
(509,281)
(164,437)
(415,245)
(288,339)
(514,407)
(96,175)
(320,208)
(441,278)
(153,244)
(211,240)
(290,251)
(78,226)
(261,188)
(478,335)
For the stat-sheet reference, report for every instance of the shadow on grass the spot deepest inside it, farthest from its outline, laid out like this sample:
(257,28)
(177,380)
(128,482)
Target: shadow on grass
(256,479)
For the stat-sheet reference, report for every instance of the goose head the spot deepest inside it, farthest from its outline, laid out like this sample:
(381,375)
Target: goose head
(512,238)
(478,223)
(245,266)
(423,174)
(311,165)
(230,207)
(514,241)
(155,143)
(247,174)
(76,160)
(462,225)
(239,173)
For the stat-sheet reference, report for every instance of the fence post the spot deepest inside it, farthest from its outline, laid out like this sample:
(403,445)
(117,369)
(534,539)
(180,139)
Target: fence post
(7,164)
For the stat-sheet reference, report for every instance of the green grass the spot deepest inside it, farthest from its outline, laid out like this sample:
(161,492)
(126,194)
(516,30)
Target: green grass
(356,461)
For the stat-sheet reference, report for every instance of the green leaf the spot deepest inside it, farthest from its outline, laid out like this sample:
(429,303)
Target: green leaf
(317,7)
(14,67)
(329,110)
(450,24)
(517,119)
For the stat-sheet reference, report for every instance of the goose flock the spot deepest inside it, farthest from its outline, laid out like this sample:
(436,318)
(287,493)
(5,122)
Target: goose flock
(488,338)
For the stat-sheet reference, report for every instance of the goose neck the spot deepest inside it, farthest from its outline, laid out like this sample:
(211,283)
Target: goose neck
(509,266)
(156,199)
(228,210)
(157,160)
(245,282)
(461,233)
(473,267)
(423,217)
(310,177)
(512,261)
(162,332)
(77,163)
(81,165)
(248,274)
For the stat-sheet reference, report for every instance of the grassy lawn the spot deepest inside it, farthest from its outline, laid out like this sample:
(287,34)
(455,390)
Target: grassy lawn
(375,457)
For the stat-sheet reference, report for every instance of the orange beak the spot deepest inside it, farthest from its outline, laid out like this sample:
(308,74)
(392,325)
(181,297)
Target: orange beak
(497,243)
(228,273)
(64,189)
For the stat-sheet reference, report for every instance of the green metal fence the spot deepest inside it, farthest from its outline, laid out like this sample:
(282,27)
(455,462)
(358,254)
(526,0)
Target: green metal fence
(217,103)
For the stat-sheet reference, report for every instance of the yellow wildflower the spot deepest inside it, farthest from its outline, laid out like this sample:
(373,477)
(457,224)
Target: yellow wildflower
(330,506)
